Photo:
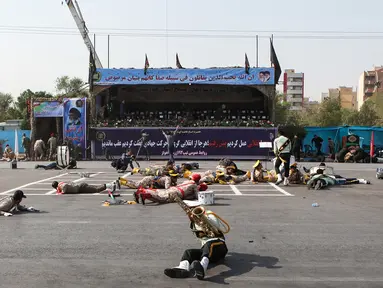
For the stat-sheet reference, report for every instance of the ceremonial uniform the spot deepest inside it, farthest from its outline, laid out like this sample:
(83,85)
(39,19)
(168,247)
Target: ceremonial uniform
(52,143)
(187,190)
(149,182)
(222,178)
(84,188)
(258,174)
(155,170)
(194,262)
(282,149)
(295,176)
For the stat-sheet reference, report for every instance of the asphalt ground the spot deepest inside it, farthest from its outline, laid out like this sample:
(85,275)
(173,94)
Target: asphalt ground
(277,239)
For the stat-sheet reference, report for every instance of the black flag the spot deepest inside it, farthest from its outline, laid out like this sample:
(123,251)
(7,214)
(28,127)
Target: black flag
(247,65)
(146,64)
(92,70)
(275,63)
(178,63)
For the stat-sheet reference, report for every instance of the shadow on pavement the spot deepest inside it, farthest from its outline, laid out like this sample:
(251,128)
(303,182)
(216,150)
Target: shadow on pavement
(240,263)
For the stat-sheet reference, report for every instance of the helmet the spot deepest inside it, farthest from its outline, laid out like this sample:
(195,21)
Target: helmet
(195,177)
(187,174)
(202,187)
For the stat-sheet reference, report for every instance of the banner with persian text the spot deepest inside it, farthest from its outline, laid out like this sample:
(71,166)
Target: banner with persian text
(202,142)
(221,76)
(47,109)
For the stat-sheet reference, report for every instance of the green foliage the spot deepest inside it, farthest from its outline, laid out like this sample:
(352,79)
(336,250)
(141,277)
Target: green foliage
(70,87)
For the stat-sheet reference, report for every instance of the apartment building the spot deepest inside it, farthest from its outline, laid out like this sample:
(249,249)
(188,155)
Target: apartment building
(369,85)
(346,95)
(293,89)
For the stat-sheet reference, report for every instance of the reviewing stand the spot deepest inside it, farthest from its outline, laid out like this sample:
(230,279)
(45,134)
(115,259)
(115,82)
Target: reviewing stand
(268,146)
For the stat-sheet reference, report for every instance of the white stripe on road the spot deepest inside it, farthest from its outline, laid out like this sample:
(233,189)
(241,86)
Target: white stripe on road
(235,190)
(32,183)
(280,189)
(75,181)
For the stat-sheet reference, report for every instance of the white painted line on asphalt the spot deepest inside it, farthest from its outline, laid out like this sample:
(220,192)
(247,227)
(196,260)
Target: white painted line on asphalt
(75,181)
(32,183)
(235,190)
(305,279)
(123,176)
(280,189)
(73,222)
(35,189)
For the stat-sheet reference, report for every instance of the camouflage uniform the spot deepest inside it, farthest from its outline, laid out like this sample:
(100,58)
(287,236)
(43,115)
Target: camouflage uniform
(187,190)
(208,177)
(155,170)
(148,182)
(296,177)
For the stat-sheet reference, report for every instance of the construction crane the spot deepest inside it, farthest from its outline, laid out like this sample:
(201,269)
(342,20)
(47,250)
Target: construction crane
(77,16)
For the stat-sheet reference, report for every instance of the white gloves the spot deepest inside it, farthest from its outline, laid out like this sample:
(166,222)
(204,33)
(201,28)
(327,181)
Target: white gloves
(6,214)
(31,209)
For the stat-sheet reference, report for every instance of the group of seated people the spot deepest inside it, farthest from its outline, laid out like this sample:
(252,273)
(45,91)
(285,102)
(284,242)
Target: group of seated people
(353,155)
(195,118)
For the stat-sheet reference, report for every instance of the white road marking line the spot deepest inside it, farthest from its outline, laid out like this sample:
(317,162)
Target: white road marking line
(123,176)
(280,189)
(35,189)
(305,279)
(235,190)
(73,222)
(32,183)
(75,181)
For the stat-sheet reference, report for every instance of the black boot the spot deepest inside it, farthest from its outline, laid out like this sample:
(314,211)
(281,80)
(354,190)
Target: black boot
(197,270)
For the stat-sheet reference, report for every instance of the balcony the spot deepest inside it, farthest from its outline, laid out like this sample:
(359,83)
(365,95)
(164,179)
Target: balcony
(294,83)
(295,92)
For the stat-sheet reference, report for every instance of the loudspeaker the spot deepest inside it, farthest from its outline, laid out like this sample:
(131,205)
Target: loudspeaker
(63,156)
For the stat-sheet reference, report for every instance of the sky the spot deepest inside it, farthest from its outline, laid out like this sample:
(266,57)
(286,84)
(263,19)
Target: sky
(39,40)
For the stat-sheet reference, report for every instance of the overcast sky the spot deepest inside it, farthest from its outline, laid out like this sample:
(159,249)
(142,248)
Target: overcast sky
(31,57)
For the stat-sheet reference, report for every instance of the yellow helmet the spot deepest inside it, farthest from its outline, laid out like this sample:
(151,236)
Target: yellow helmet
(187,174)
(256,164)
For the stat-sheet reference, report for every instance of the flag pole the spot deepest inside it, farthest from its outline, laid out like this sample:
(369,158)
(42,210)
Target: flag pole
(16,145)
(256,51)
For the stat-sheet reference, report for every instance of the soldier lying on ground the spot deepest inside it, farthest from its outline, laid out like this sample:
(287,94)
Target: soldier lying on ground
(187,191)
(327,170)
(11,204)
(55,166)
(258,174)
(156,182)
(82,188)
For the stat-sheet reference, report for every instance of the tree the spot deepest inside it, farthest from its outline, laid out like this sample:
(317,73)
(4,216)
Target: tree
(6,102)
(329,113)
(282,109)
(368,114)
(71,87)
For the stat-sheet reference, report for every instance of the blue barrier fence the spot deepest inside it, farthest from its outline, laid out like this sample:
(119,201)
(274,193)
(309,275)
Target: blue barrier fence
(336,133)
(10,137)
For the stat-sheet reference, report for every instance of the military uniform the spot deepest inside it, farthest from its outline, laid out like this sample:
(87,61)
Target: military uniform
(194,262)
(84,188)
(8,204)
(187,190)
(52,143)
(149,182)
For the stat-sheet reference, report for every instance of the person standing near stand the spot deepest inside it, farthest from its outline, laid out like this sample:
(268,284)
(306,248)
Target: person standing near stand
(144,140)
(282,148)
(297,147)
(170,137)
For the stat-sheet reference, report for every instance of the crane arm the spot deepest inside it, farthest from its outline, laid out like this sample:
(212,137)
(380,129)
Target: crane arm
(77,16)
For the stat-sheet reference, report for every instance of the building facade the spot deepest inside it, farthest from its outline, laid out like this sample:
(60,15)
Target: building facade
(346,95)
(293,89)
(369,85)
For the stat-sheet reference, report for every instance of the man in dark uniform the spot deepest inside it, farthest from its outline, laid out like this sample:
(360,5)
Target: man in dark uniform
(144,141)
(170,137)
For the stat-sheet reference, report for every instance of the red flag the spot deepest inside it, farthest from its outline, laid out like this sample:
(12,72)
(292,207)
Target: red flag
(372,145)
(146,64)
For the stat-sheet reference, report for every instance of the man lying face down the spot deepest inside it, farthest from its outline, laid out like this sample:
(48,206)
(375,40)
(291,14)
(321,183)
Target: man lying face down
(11,204)
(82,188)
